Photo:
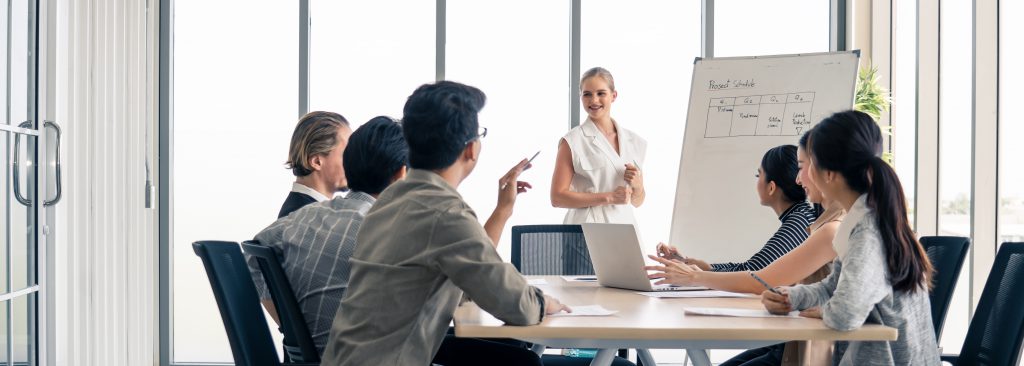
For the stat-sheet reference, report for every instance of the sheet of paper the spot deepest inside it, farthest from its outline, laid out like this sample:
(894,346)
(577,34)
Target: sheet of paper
(693,294)
(536,281)
(580,278)
(587,310)
(742,313)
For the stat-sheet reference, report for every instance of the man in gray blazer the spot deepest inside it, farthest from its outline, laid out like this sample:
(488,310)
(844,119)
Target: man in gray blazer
(421,247)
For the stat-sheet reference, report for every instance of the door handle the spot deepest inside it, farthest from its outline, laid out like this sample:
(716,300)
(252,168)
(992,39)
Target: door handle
(17,170)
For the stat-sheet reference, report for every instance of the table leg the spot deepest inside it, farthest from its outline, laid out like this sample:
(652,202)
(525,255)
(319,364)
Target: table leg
(699,357)
(645,357)
(604,357)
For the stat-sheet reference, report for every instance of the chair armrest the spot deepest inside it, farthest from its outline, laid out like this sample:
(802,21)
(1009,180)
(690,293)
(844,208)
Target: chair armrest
(952,359)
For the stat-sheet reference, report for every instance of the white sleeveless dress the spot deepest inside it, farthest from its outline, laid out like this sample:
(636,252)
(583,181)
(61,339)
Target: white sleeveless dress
(597,168)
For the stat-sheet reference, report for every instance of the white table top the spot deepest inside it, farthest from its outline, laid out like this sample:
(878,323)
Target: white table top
(644,319)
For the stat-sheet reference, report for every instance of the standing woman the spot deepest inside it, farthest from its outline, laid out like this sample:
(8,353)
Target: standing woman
(596,174)
(881,274)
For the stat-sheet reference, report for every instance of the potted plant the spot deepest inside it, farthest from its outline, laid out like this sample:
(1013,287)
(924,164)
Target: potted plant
(873,99)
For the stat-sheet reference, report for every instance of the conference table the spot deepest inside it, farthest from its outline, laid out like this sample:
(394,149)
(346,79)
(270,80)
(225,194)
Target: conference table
(644,322)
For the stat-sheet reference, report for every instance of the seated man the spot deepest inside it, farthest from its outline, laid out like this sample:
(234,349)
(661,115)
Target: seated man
(421,246)
(315,242)
(314,156)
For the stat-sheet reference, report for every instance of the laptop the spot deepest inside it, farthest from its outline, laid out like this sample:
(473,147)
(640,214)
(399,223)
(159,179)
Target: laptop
(618,260)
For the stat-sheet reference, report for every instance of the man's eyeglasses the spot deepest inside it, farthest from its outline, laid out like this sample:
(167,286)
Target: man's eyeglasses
(481,133)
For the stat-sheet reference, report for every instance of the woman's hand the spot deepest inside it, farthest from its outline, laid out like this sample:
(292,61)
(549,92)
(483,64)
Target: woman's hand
(669,252)
(620,196)
(698,263)
(777,303)
(814,312)
(633,177)
(672,272)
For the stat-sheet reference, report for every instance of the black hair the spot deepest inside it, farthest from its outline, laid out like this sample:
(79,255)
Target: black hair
(818,208)
(850,143)
(439,120)
(779,165)
(376,151)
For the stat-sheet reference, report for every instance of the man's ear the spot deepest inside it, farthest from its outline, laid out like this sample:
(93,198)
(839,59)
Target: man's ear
(471,153)
(316,162)
(400,174)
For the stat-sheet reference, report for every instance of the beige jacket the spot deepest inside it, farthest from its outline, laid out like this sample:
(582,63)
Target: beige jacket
(419,248)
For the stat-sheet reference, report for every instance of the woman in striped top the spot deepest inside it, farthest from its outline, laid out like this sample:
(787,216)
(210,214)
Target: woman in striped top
(778,189)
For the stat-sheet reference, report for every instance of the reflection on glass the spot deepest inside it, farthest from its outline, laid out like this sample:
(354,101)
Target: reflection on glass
(904,99)
(6,144)
(756,27)
(235,106)
(1011,128)
(366,57)
(525,74)
(23,204)
(650,51)
(20,42)
(4,308)
(24,330)
(955,154)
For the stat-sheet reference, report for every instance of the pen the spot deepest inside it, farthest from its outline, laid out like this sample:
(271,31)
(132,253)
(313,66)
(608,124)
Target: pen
(503,185)
(766,285)
(636,165)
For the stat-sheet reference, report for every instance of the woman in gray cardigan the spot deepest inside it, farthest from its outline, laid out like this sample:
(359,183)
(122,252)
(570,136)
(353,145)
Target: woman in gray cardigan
(881,274)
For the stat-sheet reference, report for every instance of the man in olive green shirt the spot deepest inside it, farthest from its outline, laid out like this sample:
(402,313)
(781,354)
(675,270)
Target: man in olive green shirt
(421,247)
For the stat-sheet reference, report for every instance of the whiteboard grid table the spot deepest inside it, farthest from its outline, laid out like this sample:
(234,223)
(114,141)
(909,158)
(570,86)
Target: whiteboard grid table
(643,322)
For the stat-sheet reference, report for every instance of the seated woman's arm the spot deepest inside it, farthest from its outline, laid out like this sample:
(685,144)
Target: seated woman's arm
(562,196)
(778,245)
(857,283)
(796,265)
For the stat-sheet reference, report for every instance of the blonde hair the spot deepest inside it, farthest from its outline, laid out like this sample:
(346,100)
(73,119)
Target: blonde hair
(601,73)
(315,134)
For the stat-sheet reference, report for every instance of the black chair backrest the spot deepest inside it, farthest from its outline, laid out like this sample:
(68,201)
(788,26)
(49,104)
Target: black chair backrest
(550,250)
(947,254)
(995,334)
(239,304)
(293,323)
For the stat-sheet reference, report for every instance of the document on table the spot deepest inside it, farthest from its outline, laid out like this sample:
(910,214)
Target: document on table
(693,294)
(536,281)
(587,310)
(580,278)
(742,313)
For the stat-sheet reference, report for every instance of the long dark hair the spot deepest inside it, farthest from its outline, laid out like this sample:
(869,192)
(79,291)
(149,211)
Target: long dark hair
(850,143)
(779,165)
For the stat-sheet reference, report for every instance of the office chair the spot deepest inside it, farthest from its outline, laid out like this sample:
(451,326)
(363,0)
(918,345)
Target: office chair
(995,333)
(550,250)
(553,250)
(298,342)
(238,302)
(947,254)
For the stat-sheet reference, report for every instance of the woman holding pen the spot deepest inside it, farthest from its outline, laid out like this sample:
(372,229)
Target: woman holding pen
(597,171)
(881,273)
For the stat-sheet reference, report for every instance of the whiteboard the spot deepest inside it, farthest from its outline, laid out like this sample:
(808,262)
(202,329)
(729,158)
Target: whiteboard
(739,108)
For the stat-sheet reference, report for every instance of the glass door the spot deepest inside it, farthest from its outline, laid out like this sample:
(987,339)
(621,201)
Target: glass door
(22,145)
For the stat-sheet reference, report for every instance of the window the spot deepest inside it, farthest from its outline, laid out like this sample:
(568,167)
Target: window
(525,74)
(754,27)
(649,50)
(955,148)
(366,57)
(234,110)
(904,99)
(1011,130)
